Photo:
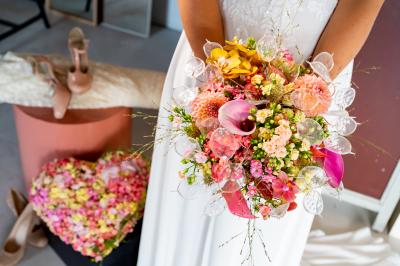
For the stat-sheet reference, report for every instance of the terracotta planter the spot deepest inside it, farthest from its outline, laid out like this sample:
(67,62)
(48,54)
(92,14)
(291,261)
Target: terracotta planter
(84,134)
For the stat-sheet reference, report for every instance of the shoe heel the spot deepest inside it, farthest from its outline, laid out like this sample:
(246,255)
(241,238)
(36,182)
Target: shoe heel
(79,77)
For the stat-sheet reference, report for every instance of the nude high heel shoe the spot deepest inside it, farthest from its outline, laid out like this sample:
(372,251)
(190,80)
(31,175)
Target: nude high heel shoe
(79,77)
(17,203)
(14,247)
(45,69)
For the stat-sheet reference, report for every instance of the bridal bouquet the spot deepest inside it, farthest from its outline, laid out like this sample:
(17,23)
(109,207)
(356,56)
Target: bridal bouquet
(257,129)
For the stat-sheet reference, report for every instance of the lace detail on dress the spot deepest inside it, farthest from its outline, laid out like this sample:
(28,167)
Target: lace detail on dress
(316,7)
(247,16)
(287,22)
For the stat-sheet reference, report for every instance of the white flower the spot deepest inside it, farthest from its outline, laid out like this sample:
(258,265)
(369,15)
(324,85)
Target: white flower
(281,152)
(263,114)
(277,79)
(269,147)
(305,145)
(266,89)
(294,155)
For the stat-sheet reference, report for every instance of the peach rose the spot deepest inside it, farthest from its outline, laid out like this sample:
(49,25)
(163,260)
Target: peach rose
(311,95)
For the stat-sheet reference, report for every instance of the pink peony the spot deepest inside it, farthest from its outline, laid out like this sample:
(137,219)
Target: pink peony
(311,95)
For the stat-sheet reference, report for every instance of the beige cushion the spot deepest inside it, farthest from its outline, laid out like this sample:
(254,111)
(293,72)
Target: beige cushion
(112,85)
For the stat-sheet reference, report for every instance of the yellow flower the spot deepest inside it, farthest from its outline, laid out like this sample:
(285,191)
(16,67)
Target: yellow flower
(244,51)
(97,185)
(82,195)
(69,166)
(257,79)
(111,216)
(103,226)
(264,133)
(77,218)
(56,192)
(133,207)
(276,79)
(74,205)
(289,87)
(234,60)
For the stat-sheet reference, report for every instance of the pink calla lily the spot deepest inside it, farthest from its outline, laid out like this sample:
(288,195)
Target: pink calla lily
(333,166)
(237,204)
(234,116)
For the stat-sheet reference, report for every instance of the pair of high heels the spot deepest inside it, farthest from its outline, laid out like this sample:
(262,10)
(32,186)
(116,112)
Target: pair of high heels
(79,79)
(27,229)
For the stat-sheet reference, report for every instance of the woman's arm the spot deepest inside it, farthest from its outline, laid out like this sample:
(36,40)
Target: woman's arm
(347,30)
(201,21)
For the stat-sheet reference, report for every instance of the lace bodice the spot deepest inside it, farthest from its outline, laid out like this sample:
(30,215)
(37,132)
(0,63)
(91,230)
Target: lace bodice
(294,24)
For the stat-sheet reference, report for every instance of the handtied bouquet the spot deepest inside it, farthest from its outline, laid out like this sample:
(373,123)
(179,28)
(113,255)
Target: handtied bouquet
(257,129)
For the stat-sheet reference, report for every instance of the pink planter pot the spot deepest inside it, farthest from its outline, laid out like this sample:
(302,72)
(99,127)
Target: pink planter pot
(84,134)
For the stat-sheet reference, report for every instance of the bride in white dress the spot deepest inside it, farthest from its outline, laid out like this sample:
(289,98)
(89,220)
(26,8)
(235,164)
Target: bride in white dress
(176,232)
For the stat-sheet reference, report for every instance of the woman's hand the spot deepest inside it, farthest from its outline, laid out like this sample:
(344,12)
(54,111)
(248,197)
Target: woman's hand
(347,30)
(201,21)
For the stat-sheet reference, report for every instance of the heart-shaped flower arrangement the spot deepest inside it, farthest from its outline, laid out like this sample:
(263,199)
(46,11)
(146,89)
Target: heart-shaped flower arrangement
(92,206)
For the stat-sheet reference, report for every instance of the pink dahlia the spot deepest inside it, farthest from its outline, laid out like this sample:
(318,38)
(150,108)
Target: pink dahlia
(311,95)
(207,104)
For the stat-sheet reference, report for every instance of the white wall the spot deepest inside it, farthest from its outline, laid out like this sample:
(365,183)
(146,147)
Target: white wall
(165,12)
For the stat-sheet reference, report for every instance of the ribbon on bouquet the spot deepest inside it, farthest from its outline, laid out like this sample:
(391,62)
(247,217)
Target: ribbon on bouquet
(237,204)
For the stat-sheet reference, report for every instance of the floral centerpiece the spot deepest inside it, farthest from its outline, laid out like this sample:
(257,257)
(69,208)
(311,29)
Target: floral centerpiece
(258,129)
(92,206)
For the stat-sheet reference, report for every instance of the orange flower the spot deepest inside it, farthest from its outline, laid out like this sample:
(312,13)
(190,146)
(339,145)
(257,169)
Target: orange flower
(311,95)
(207,104)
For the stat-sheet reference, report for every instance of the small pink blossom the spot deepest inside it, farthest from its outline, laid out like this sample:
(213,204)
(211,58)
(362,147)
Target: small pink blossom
(287,55)
(256,168)
(265,210)
(268,178)
(252,190)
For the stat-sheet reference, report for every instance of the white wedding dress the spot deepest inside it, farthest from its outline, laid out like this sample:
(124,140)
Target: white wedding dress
(176,232)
